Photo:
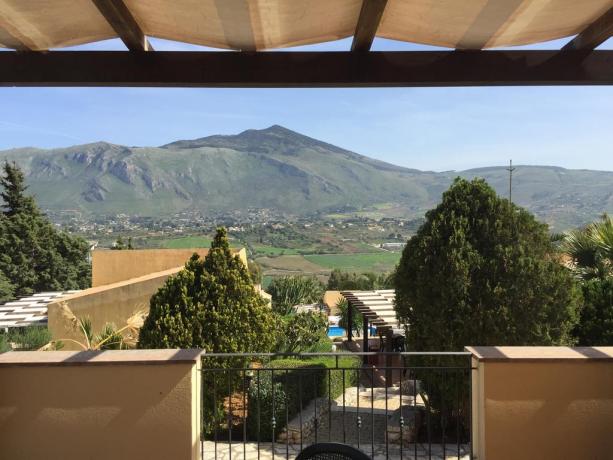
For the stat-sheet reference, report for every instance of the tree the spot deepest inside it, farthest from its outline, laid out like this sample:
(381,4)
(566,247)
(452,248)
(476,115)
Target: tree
(210,304)
(596,324)
(367,281)
(14,197)
(34,255)
(482,271)
(7,290)
(289,291)
(479,271)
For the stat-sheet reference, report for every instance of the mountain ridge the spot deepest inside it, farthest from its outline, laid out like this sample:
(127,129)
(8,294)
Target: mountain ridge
(280,169)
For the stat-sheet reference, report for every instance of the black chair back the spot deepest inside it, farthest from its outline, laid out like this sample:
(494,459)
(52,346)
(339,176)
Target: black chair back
(331,451)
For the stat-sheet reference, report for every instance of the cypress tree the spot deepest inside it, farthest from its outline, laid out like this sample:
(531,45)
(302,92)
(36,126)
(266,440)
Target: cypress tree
(210,304)
(482,271)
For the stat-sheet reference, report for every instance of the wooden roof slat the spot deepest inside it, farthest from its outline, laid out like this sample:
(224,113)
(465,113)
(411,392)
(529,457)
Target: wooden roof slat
(374,306)
(121,20)
(594,35)
(368,23)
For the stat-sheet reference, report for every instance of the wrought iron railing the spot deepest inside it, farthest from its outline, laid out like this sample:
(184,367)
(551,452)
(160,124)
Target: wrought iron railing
(404,405)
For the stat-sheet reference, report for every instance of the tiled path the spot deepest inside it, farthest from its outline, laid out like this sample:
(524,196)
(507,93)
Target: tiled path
(249,450)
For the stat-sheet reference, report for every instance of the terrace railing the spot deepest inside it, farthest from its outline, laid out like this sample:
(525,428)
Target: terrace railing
(404,405)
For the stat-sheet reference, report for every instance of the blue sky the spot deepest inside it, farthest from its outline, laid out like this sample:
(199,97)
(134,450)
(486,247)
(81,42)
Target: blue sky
(426,128)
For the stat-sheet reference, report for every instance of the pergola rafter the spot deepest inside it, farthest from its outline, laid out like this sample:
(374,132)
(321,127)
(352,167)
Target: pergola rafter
(368,23)
(121,20)
(594,35)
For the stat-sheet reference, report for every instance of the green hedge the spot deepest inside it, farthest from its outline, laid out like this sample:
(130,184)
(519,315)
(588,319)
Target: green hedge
(293,378)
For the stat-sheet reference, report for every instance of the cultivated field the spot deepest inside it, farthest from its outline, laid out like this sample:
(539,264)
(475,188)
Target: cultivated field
(187,242)
(377,261)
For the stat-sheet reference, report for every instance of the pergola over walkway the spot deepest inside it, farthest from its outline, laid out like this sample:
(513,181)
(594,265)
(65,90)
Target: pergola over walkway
(377,309)
(464,28)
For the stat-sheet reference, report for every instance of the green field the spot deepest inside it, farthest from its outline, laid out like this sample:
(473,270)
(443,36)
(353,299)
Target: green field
(378,262)
(187,242)
(262,250)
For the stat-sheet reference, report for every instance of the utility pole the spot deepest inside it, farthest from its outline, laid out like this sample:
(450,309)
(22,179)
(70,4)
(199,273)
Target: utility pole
(510,169)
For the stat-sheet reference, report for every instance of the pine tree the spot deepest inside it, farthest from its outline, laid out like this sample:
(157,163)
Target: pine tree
(34,255)
(210,304)
(14,188)
(7,290)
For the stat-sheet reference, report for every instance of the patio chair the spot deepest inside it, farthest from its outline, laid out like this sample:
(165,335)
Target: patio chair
(331,451)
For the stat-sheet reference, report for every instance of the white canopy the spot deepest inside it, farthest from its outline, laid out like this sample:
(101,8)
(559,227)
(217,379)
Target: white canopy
(269,24)
(377,305)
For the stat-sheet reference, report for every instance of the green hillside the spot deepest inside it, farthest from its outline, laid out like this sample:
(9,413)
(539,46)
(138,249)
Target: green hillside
(282,170)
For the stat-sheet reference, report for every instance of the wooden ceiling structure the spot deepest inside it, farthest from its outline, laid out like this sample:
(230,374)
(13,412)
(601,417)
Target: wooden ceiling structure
(469,29)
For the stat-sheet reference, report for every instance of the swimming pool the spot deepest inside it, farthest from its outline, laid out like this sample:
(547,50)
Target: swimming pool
(337,331)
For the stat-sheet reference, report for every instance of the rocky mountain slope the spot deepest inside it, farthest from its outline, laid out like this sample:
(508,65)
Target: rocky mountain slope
(279,169)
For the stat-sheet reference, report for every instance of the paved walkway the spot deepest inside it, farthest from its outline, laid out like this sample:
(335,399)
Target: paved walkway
(249,450)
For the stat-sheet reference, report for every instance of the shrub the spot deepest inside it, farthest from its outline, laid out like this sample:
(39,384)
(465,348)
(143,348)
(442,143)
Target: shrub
(26,338)
(296,382)
(260,407)
(301,331)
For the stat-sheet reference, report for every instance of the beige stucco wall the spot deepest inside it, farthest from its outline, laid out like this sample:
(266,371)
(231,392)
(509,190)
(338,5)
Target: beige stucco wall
(111,303)
(114,266)
(331,298)
(543,403)
(114,302)
(138,404)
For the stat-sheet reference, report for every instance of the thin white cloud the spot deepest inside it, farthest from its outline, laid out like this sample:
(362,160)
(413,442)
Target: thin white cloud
(19,127)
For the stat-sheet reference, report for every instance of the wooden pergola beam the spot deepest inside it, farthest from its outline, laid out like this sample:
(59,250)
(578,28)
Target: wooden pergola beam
(305,69)
(594,35)
(121,20)
(368,23)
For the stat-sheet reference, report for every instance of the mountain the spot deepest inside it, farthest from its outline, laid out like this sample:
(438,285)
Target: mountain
(280,169)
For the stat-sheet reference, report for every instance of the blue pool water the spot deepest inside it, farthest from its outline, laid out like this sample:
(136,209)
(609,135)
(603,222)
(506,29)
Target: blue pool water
(336,331)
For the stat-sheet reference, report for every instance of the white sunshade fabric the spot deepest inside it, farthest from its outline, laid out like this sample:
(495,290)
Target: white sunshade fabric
(379,304)
(28,311)
(269,24)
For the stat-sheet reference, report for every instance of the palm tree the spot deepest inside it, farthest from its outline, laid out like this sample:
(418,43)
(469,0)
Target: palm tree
(109,338)
(591,249)
(289,291)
